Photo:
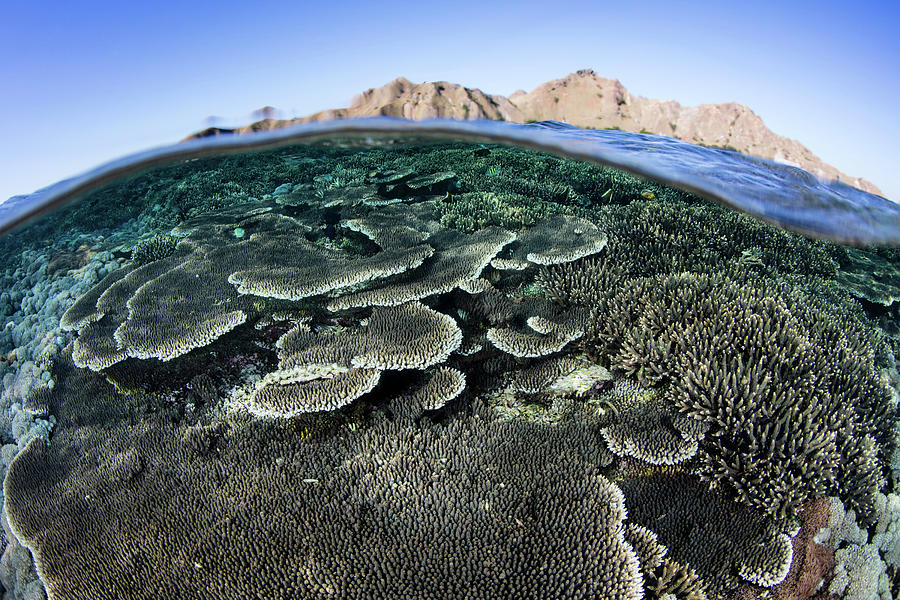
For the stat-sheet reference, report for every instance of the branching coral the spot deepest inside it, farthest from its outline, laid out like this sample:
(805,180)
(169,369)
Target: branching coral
(792,404)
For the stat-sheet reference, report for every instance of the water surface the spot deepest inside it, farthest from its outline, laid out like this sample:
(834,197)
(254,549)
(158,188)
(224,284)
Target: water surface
(446,360)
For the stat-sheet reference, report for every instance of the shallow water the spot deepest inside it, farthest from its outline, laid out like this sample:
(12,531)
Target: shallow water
(346,364)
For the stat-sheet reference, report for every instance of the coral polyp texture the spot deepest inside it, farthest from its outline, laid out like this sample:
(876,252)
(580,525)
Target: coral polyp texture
(396,510)
(643,426)
(732,543)
(441,371)
(763,372)
(319,372)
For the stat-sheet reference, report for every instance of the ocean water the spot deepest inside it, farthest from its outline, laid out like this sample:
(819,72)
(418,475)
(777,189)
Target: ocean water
(383,359)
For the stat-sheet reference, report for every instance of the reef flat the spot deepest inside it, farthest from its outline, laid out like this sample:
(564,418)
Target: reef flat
(441,371)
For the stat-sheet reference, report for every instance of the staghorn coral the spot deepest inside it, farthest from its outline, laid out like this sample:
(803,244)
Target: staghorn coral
(586,282)
(667,236)
(380,214)
(154,248)
(869,275)
(398,509)
(791,397)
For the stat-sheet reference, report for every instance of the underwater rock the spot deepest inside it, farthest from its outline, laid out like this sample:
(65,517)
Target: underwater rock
(813,563)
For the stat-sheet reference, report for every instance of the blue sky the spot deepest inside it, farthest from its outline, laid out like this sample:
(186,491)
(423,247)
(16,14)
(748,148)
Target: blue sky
(84,82)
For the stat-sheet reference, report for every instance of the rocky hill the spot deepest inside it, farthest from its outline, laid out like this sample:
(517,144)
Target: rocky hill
(583,99)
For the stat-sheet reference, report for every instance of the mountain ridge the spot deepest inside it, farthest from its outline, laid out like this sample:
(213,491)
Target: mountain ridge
(583,99)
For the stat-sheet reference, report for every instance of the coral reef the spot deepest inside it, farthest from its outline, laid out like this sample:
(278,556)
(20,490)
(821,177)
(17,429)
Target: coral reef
(458,258)
(644,426)
(439,371)
(813,562)
(764,371)
(396,509)
(554,240)
(154,248)
(443,385)
(863,567)
(724,542)
(869,275)
(472,211)
(327,371)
